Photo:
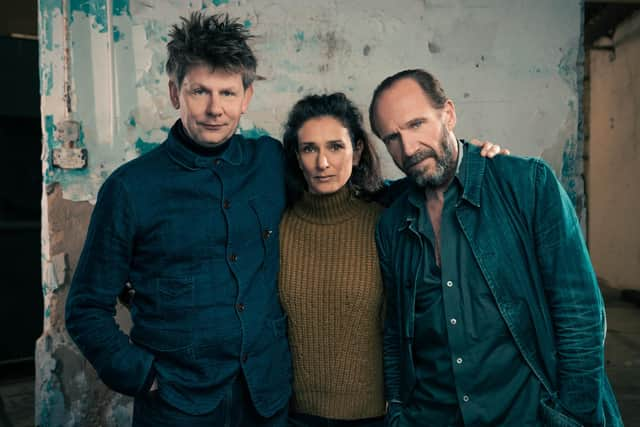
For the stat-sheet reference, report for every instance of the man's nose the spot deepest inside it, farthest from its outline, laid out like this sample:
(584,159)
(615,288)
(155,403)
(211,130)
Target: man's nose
(214,107)
(409,145)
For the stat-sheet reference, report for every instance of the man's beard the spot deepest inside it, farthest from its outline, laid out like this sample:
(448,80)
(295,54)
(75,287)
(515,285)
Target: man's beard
(445,167)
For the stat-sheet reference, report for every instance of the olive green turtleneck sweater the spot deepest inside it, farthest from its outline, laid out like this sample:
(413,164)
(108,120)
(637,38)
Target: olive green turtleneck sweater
(331,288)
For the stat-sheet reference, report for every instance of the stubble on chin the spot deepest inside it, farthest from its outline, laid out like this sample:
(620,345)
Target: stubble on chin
(443,171)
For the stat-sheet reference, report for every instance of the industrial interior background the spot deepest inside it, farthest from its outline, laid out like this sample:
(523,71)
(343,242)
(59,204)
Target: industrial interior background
(85,90)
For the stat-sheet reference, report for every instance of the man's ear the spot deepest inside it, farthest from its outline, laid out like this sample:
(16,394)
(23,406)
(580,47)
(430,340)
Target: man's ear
(174,94)
(450,117)
(248,94)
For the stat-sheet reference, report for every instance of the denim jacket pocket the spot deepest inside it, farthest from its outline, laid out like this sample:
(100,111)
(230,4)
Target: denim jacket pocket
(279,351)
(174,303)
(552,416)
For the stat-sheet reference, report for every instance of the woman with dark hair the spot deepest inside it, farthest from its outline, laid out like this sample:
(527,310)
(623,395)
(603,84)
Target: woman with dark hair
(330,282)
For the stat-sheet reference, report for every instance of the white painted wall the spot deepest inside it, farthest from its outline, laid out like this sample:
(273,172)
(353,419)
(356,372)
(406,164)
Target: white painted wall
(509,65)
(614,159)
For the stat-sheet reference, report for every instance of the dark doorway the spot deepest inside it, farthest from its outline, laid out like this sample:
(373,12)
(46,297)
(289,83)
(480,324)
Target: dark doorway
(21,305)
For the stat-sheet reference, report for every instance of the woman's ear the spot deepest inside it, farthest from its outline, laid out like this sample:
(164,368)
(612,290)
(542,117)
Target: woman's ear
(357,152)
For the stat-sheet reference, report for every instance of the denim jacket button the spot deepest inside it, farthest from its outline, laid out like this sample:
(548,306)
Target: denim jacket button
(449,284)
(266,234)
(226,204)
(233,257)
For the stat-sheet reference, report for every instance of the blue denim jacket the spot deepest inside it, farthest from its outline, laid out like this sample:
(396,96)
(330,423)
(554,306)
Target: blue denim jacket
(525,237)
(197,238)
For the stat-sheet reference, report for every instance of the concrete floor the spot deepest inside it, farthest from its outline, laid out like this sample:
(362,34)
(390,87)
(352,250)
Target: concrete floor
(622,355)
(622,352)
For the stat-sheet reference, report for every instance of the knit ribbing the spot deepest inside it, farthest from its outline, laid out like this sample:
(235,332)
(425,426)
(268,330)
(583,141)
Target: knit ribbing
(331,288)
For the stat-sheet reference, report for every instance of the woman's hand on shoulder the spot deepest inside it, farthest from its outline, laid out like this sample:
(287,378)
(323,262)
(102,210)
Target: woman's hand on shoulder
(489,149)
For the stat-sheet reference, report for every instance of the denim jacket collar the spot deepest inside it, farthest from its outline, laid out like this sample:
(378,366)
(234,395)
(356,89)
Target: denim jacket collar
(186,158)
(471,173)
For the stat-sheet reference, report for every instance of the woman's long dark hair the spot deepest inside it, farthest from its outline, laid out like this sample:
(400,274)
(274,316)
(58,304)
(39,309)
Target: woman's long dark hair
(366,177)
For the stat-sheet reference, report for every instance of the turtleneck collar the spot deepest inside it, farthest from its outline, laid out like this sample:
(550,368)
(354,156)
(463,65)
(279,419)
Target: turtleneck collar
(327,208)
(199,149)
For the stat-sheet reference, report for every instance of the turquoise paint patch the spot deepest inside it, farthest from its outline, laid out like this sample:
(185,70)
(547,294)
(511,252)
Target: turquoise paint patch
(143,146)
(117,35)
(219,2)
(247,23)
(80,141)
(46,79)
(48,31)
(49,128)
(47,312)
(254,132)
(53,404)
(299,36)
(46,11)
(97,9)
(49,5)
(67,176)
(132,121)
(121,7)
(49,80)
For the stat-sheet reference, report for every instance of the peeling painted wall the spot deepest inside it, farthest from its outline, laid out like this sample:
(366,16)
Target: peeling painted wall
(510,67)
(614,158)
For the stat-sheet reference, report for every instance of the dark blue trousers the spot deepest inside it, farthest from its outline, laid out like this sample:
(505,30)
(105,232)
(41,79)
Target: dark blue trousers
(304,420)
(235,410)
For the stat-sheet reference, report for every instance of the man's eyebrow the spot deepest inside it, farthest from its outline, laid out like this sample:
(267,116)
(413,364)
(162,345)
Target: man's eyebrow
(413,120)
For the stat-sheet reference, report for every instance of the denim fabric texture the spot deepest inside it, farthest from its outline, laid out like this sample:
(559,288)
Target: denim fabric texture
(527,241)
(235,410)
(197,238)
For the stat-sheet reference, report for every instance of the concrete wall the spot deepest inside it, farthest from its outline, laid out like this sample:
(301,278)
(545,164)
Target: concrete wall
(614,158)
(512,83)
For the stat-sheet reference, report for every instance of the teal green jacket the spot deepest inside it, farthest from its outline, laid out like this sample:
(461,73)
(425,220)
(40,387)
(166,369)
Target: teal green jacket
(526,238)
